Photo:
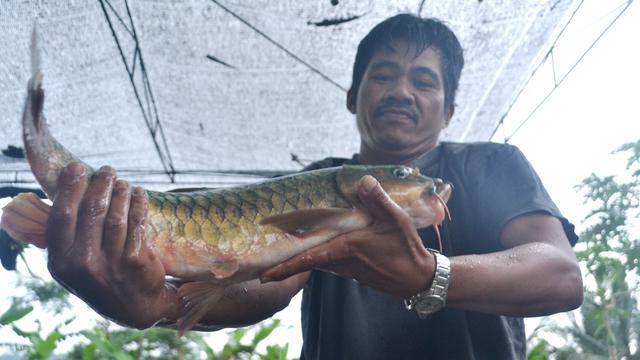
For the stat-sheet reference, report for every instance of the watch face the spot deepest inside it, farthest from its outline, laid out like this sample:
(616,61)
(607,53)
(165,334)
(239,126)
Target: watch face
(429,304)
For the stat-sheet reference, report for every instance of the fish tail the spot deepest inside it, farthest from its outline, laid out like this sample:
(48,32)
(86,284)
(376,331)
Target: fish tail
(45,154)
(25,219)
(197,298)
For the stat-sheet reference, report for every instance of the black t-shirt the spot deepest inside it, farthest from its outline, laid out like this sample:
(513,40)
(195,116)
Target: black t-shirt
(493,183)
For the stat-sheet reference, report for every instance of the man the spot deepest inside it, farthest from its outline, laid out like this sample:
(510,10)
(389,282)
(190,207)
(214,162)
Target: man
(507,253)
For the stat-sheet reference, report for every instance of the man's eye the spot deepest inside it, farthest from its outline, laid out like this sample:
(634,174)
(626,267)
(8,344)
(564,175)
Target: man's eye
(424,84)
(381,77)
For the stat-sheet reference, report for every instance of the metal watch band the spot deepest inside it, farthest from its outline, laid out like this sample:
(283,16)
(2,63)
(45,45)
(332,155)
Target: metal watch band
(434,298)
(440,283)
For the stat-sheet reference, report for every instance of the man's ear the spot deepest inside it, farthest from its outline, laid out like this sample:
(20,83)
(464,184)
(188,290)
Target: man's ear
(351,101)
(448,115)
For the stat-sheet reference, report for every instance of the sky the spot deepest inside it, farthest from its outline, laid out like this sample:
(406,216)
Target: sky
(591,113)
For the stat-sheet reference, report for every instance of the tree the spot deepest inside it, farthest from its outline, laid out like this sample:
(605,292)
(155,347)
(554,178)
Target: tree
(608,325)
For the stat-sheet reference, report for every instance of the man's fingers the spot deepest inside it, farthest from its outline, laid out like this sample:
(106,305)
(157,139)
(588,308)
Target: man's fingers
(135,246)
(332,251)
(383,208)
(93,210)
(115,227)
(61,227)
(376,200)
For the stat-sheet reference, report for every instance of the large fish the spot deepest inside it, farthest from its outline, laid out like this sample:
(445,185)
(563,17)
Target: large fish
(212,239)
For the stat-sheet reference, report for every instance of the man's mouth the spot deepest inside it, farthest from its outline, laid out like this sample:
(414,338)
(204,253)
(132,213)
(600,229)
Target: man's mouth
(396,112)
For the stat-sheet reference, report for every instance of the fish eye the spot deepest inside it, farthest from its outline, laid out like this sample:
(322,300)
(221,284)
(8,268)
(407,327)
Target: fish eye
(402,172)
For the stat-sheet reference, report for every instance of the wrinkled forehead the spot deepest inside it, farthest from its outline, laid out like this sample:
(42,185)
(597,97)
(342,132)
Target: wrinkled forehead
(399,42)
(403,51)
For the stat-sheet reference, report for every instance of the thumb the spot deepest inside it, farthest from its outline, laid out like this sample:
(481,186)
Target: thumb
(376,200)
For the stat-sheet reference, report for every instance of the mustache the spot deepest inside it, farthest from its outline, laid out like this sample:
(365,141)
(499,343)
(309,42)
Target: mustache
(396,106)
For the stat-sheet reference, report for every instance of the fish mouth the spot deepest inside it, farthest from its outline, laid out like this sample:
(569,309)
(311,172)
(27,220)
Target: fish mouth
(443,189)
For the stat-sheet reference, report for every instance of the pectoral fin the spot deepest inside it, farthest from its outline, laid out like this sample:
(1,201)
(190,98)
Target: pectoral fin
(197,297)
(303,223)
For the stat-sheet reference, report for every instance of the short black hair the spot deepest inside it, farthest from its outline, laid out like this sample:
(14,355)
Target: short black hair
(424,33)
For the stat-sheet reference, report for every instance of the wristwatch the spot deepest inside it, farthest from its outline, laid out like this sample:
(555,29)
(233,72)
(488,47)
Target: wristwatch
(433,299)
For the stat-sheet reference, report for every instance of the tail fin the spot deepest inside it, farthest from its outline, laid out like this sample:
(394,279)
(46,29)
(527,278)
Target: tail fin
(45,154)
(25,219)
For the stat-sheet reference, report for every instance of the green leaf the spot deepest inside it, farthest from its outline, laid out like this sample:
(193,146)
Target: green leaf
(237,335)
(539,352)
(25,334)
(15,313)
(121,355)
(276,352)
(89,351)
(45,348)
(264,332)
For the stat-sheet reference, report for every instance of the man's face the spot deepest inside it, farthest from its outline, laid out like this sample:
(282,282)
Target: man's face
(400,103)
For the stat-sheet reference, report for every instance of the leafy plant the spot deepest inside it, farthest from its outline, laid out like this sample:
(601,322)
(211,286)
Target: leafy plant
(609,325)
(16,311)
(155,343)
(40,347)
(158,343)
(104,341)
(236,348)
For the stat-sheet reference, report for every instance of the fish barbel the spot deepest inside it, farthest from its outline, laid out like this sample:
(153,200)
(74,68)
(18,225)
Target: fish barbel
(214,238)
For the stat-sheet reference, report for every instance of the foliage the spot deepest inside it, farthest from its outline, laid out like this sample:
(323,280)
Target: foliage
(53,297)
(16,311)
(39,347)
(105,342)
(158,343)
(608,326)
(127,344)
(237,349)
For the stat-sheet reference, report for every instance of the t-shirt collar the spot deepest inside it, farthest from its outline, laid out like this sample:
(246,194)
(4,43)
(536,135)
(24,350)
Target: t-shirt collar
(427,162)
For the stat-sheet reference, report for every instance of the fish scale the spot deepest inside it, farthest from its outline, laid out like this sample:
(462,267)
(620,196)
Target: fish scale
(181,217)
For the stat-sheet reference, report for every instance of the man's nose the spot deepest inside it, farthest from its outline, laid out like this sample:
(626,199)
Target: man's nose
(401,91)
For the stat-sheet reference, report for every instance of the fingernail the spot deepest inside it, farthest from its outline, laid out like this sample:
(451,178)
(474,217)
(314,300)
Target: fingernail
(75,169)
(138,191)
(121,184)
(368,183)
(107,168)
(121,187)
(265,279)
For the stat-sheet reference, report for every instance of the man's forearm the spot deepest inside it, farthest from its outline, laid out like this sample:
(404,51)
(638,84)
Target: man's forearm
(532,279)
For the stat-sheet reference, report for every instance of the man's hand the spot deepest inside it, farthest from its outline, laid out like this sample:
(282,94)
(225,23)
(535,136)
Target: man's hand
(98,250)
(388,255)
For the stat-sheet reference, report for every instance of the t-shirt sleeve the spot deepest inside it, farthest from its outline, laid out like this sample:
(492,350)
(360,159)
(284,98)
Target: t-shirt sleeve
(506,186)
